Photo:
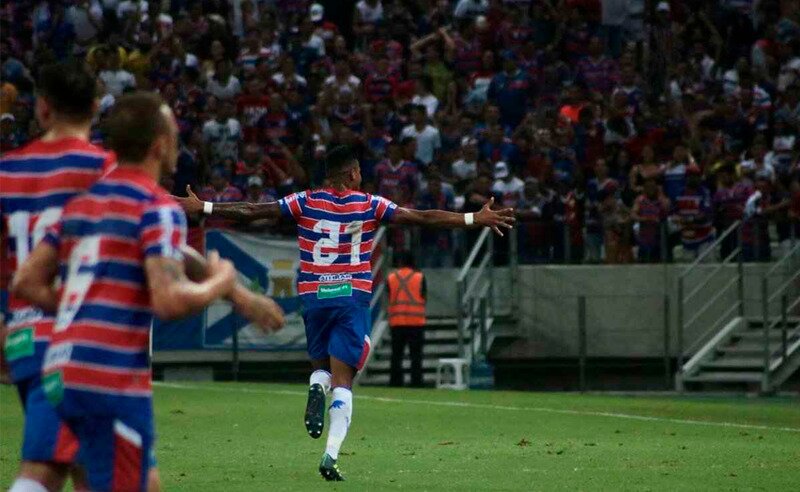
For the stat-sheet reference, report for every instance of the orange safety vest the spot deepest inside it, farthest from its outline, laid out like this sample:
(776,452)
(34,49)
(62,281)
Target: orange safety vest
(406,304)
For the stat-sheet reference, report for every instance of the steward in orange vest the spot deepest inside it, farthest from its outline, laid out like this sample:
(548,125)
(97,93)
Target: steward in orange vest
(407,292)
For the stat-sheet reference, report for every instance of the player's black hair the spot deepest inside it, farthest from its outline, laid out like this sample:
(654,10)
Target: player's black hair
(135,123)
(70,88)
(338,159)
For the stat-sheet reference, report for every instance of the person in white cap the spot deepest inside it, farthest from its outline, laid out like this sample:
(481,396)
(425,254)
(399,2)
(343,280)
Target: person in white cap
(510,188)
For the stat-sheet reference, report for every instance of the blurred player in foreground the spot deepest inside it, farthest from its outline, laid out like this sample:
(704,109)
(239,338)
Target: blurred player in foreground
(38,180)
(336,227)
(120,249)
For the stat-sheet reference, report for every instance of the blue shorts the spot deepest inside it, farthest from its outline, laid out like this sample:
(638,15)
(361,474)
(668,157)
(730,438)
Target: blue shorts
(339,331)
(116,448)
(46,437)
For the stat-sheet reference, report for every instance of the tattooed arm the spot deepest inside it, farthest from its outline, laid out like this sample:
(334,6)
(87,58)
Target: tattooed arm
(259,309)
(241,211)
(173,295)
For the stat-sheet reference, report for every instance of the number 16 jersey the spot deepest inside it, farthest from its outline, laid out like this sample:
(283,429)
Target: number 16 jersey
(37,180)
(335,232)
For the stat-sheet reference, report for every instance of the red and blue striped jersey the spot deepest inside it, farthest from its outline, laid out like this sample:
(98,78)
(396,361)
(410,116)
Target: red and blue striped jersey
(101,333)
(37,181)
(335,231)
(694,206)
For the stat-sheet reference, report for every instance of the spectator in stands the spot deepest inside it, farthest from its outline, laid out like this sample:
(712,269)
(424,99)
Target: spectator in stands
(507,187)
(510,91)
(729,201)
(426,135)
(116,79)
(223,84)
(396,177)
(757,210)
(436,243)
(567,210)
(649,213)
(534,244)
(616,219)
(220,191)
(596,72)
(694,214)
(466,168)
(602,184)
(458,87)
(222,135)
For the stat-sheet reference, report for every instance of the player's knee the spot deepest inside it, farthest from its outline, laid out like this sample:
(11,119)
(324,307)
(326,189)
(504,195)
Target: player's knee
(153,481)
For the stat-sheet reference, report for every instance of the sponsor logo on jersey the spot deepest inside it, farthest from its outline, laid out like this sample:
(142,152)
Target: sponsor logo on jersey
(19,344)
(335,290)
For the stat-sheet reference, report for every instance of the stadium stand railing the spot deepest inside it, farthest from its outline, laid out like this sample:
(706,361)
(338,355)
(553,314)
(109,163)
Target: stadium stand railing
(743,347)
(382,261)
(474,298)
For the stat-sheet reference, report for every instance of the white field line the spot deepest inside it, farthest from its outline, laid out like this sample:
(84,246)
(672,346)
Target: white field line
(584,413)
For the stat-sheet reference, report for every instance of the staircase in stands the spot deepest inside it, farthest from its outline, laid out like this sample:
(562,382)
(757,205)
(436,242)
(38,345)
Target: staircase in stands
(741,350)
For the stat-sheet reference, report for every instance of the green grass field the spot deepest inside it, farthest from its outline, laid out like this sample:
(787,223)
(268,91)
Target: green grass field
(238,437)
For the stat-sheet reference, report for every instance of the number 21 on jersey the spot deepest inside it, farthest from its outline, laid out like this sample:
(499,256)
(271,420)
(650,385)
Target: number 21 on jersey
(331,242)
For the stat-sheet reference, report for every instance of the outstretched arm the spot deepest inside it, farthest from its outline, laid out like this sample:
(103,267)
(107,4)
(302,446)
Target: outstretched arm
(259,309)
(240,211)
(496,219)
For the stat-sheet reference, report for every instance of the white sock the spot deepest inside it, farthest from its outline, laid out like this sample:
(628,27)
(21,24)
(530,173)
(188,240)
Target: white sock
(321,377)
(340,411)
(27,485)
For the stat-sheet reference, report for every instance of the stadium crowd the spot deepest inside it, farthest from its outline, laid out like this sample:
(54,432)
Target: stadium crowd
(617,128)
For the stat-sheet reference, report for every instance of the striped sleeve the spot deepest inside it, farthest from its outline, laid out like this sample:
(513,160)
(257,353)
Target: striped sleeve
(163,231)
(382,208)
(293,205)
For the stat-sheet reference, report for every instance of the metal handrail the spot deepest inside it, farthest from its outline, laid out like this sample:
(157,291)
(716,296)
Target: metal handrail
(784,286)
(738,280)
(713,327)
(702,256)
(717,269)
(478,277)
(710,303)
(467,292)
(377,295)
(473,254)
(378,237)
(779,263)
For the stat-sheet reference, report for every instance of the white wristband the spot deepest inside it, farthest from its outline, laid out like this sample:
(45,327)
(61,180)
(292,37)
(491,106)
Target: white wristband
(469,218)
(208,207)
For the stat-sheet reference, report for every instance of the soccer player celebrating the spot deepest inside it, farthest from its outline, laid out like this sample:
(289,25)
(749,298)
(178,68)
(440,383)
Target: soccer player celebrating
(38,180)
(120,249)
(336,227)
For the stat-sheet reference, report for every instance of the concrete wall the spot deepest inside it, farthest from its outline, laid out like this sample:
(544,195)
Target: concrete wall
(624,306)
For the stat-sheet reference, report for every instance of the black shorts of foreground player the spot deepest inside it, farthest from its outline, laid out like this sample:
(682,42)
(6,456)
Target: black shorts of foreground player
(336,228)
